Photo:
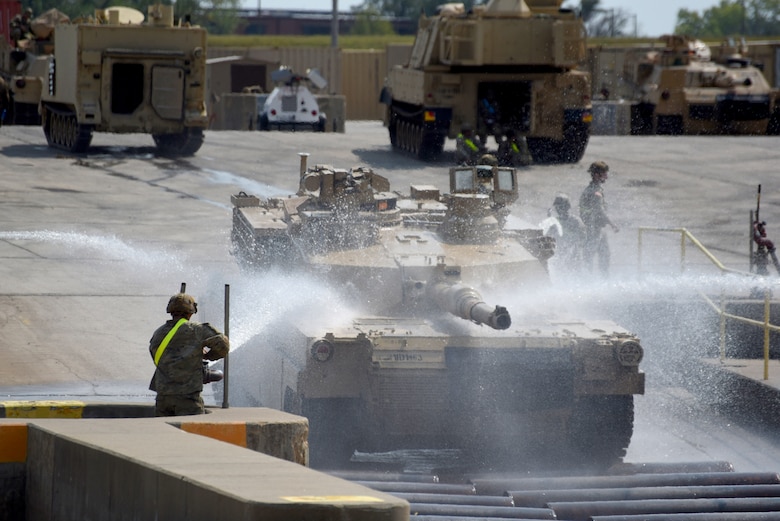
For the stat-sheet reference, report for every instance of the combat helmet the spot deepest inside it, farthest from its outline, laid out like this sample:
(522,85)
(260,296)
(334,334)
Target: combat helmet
(562,203)
(488,159)
(182,304)
(598,167)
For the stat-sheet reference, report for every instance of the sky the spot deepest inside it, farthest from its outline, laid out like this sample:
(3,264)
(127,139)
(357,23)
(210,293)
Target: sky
(654,18)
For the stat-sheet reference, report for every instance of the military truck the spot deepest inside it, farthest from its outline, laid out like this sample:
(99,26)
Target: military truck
(425,361)
(116,74)
(504,65)
(684,89)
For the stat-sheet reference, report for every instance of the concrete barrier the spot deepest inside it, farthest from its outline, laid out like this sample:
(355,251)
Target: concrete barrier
(171,468)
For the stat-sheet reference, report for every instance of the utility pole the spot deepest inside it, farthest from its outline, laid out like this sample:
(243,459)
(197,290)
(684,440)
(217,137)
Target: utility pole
(334,25)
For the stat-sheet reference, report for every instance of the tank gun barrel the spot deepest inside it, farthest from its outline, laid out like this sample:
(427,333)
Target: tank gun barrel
(465,302)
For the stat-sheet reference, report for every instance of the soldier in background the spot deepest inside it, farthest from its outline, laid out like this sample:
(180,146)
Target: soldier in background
(5,102)
(570,245)
(467,146)
(179,348)
(20,26)
(513,150)
(593,211)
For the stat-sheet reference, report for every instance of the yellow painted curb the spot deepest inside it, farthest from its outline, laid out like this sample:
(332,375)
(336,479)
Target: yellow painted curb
(43,409)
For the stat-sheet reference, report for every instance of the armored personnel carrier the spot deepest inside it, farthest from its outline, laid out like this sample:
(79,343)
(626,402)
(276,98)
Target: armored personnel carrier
(118,74)
(684,89)
(509,64)
(427,361)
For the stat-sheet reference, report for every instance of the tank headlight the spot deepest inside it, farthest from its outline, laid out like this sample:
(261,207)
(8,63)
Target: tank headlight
(21,83)
(322,350)
(629,353)
(665,95)
(197,52)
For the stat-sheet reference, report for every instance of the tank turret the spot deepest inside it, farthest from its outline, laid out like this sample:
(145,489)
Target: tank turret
(425,349)
(684,89)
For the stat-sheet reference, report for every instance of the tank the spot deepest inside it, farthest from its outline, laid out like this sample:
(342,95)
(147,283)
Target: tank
(506,64)
(116,73)
(684,89)
(427,360)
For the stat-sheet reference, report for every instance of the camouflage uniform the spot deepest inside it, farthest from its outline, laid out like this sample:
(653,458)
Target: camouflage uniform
(178,379)
(513,151)
(467,149)
(569,247)
(593,212)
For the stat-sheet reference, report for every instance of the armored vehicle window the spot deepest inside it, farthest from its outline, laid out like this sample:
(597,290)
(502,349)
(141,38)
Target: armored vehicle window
(505,180)
(464,180)
(127,87)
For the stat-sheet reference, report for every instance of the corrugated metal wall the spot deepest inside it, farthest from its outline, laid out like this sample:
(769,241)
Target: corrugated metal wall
(362,77)
(299,59)
(359,74)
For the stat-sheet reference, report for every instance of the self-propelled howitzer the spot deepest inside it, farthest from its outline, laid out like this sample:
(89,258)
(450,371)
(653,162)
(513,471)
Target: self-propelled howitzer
(427,362)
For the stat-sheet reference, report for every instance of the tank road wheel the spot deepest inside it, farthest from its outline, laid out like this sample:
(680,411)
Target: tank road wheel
(575,141)
(333,430)
(773,125)
(570,149)
(392,128)
(264,122)
(63,131)
(431,145)
(601,428)
(46,117)
(185,143)
(669,125)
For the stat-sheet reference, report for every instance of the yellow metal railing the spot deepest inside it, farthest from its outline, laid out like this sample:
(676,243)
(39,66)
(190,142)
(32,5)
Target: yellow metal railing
(686,236)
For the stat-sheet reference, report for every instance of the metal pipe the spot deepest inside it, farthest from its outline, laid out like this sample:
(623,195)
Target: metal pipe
(497,487)
(432,509)
(304,160)
(542,498)
(709,516)
(583,511)
(455,499)
(226,378)
(672,467)
(384,477)
(452,518)
(427,488)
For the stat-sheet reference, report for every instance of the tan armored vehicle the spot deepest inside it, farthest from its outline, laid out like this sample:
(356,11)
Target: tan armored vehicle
(427,361)
(24,65)
(686,90)
(117,74)
(509,64)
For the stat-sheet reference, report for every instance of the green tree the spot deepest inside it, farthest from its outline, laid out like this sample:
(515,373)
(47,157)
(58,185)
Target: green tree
(370,22)
(730,17)
(404,8)
(603,22)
